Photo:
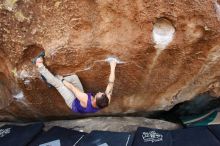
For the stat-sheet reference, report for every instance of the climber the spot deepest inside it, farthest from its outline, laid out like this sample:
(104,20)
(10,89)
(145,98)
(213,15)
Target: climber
(72,91)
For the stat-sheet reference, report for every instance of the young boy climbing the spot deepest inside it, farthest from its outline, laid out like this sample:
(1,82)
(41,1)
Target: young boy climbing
(72,91)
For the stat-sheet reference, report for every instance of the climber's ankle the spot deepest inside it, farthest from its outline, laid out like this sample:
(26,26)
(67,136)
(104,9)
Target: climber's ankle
(39,62)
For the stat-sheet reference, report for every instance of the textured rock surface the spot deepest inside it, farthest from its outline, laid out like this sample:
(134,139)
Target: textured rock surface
(78,35)
(117,124)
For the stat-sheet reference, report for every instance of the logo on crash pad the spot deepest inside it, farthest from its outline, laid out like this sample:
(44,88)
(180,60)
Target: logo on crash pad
(152,136)
(4,132)
(52,143)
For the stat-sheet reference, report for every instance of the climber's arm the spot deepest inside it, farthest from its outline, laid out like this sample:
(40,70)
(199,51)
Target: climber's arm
(110,85)
(81,96)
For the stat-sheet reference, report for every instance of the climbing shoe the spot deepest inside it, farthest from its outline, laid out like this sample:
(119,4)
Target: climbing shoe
(42,54)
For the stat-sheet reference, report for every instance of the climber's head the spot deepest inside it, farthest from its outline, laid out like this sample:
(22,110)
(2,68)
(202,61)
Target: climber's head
(102,100)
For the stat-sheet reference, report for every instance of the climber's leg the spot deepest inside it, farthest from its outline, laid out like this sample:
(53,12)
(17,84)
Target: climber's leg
(74,79)
(63,90)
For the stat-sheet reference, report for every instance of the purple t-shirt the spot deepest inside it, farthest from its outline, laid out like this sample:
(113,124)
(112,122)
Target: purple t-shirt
(76,106)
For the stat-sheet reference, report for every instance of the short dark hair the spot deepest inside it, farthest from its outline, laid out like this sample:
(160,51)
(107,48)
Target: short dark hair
(102,101)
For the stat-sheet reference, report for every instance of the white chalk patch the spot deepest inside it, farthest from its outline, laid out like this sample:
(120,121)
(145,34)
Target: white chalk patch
(26,82)
(20,95)
(112,58)
(24,74)
(163,33)
(217,9)
(88,68)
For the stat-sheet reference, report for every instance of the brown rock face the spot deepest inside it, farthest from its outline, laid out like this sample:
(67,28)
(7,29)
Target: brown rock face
(171,51)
